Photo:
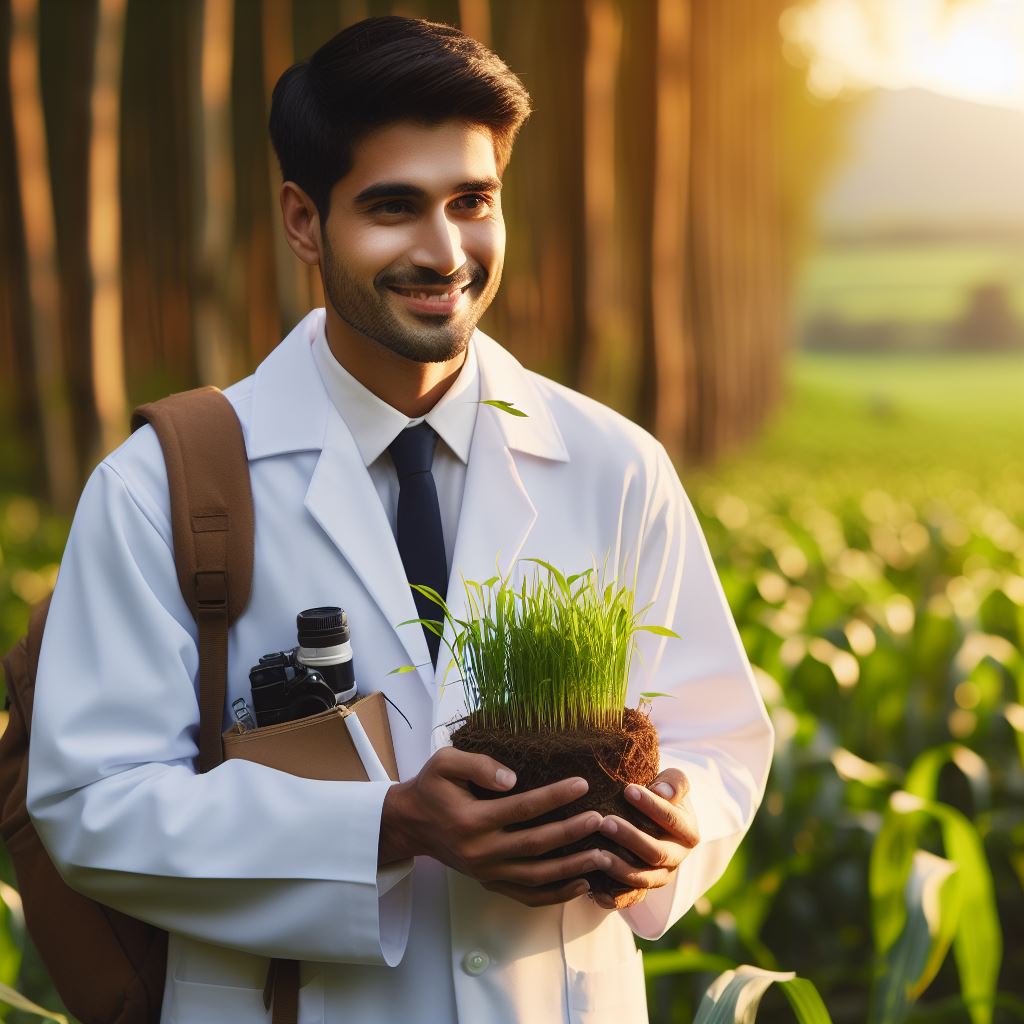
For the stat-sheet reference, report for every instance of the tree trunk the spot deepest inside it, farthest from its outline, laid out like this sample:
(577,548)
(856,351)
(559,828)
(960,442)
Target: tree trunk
(40,244)
(108,374)
(673,369)
(475,19)
(294,293)
(214,213)
(16,362)
(599,373)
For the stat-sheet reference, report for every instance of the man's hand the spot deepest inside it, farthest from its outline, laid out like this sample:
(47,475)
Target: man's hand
(436,814)
(669,807)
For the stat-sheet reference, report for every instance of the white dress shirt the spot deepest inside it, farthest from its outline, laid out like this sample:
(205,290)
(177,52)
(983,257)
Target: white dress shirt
(374,425)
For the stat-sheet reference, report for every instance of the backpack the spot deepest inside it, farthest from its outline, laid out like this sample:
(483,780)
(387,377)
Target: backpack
(107,967)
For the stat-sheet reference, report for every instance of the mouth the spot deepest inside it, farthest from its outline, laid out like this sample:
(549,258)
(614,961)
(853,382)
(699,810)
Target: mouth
(433,300)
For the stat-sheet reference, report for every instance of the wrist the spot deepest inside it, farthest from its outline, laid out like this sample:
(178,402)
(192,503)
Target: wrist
(394,843)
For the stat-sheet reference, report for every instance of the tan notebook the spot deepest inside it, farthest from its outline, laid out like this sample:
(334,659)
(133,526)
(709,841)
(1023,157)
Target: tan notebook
(318,747)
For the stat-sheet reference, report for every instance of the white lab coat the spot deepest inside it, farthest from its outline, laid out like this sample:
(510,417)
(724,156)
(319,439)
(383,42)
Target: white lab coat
(245,862)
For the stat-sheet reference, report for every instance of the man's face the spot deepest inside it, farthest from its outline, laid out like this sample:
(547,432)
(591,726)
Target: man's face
(414,242)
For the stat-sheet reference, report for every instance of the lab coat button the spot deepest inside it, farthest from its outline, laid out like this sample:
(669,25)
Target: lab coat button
(475,962)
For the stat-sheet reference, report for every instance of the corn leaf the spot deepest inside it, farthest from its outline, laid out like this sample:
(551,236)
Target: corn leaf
(933,901)
(978,942)
(805,1000)
(735,996)
(16,1000)
(12,931)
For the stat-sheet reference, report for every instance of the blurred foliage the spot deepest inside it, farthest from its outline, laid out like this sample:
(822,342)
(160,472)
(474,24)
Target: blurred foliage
(871,546)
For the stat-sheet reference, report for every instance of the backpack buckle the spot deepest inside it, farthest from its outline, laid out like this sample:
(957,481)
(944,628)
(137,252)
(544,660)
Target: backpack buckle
(212,589)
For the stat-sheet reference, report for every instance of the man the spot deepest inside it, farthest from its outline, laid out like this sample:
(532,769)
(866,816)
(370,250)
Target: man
(408,901)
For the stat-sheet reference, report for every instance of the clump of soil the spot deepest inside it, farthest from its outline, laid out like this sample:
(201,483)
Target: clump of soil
(608,758)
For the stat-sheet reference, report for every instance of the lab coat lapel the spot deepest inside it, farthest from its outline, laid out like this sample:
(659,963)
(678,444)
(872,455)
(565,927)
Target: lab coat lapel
(292,412)
(342,499)
(497,511)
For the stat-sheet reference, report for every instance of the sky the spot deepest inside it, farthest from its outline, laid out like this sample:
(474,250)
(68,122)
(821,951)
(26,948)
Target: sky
(971,49)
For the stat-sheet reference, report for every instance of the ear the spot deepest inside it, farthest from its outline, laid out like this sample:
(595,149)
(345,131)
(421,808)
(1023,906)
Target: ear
(301,223)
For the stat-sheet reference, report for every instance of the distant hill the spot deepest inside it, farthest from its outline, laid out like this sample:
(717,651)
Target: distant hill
(924,163)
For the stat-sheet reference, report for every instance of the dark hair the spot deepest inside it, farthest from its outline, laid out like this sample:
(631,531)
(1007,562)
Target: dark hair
(380,71)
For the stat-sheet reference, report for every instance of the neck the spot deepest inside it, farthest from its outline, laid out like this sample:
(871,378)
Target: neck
(411,387)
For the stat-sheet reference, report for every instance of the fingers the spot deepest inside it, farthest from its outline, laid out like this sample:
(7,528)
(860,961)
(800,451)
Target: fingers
(461,766)
(653,852)
(534,873)
(511,810)
(540,896)
(621,900)
(633,877)
(677,819)
(541,839)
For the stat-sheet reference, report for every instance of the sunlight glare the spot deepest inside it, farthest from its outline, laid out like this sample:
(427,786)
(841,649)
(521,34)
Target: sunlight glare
(970,50)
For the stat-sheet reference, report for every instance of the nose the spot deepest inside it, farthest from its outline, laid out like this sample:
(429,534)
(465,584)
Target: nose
(438,245)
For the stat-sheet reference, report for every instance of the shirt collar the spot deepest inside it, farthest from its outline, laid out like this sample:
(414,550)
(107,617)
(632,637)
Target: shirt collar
(374,424)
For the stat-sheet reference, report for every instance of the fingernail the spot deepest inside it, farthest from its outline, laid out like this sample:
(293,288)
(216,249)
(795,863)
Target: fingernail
(608,827)
(592,822)
(633,792)
(663,789)
(579,787)
(505,778)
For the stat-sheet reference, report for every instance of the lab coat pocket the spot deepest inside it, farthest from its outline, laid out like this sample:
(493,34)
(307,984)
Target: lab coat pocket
(193,1002)
(610,994)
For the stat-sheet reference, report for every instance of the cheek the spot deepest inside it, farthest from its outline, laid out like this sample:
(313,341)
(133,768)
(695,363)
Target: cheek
(368,252)
(486,242)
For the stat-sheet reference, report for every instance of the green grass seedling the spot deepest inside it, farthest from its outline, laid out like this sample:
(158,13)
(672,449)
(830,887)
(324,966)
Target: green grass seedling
(553,654)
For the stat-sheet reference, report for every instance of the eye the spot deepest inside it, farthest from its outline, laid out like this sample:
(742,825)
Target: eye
(473,203)
(392,206)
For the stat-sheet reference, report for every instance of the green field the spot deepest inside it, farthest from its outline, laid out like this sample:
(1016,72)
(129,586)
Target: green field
(907,283)
(871,544)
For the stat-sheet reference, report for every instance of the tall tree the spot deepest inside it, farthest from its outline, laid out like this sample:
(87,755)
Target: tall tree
(605,327)
(672,364)
(215,200)
(40,243)
(108,373)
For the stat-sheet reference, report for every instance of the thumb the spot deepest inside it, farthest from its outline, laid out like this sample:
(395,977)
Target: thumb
(671,784)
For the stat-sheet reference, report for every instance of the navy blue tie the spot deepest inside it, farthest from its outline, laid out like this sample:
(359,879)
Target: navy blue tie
(420,538)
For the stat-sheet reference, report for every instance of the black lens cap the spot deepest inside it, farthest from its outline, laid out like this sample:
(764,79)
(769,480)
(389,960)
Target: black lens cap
(322,627)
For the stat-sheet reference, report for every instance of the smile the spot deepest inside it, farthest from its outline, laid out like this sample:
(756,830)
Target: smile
(431,300)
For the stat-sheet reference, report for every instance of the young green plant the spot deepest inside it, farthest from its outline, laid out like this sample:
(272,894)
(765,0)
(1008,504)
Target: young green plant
(553,655)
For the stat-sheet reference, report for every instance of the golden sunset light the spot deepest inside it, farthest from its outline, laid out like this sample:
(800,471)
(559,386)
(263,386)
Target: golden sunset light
(968,50)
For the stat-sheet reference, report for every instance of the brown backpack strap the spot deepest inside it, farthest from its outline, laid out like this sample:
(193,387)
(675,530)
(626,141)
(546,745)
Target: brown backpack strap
(212,528)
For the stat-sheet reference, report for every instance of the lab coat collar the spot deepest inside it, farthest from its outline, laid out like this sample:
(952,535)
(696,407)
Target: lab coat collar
(291,408)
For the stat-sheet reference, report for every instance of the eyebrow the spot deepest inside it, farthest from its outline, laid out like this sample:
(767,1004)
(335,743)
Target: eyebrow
(404,190)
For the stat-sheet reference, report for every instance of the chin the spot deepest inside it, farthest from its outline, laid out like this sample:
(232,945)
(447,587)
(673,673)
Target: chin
(422,349)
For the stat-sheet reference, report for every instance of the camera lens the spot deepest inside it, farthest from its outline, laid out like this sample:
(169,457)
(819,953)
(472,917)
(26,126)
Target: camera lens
(322,627)
(324,647)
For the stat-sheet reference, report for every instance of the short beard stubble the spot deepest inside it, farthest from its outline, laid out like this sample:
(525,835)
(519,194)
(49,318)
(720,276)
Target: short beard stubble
(367,312)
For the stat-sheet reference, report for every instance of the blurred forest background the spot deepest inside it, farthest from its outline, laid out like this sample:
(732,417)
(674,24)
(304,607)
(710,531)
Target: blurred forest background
(786,237)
